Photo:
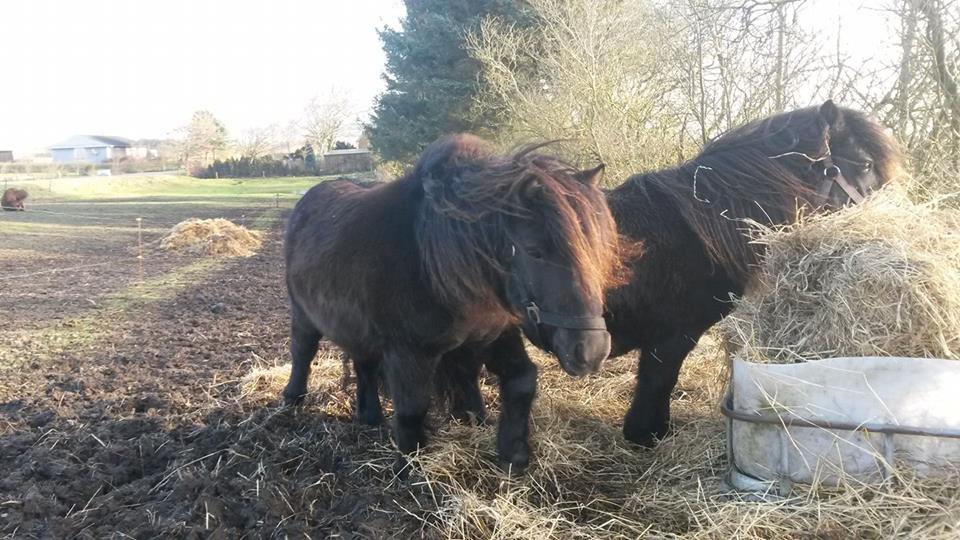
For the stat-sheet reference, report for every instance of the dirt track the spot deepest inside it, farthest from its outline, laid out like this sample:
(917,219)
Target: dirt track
(123,412)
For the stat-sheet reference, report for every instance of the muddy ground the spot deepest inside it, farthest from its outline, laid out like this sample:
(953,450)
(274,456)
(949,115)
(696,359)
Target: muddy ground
(124,412)
(142,401)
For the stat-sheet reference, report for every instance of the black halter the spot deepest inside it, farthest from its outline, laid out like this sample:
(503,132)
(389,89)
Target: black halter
(833,175)
(536,316)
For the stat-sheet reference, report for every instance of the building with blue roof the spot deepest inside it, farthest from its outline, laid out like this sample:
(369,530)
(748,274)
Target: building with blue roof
(90,149)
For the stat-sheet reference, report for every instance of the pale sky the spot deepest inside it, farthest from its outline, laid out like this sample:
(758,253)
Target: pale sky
(864,30)
(139,68)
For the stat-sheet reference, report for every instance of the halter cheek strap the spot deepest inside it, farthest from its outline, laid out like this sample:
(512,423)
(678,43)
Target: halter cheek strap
(833,175)
(537,316)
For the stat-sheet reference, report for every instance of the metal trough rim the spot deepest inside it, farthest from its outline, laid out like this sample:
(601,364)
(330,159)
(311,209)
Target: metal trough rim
(790,419)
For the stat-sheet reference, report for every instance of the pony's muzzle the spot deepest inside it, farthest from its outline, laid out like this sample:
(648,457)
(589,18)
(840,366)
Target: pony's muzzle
(581,351)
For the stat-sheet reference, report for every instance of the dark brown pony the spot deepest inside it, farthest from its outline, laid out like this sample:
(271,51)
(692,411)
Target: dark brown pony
(456,255)
(13,199)
(693,223)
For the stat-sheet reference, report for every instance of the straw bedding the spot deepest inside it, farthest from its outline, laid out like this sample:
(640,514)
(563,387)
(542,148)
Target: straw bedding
(880,278)
(892,269)
(586,481)
(214,237)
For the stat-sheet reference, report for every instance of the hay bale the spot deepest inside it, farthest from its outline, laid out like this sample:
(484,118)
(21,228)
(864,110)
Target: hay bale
(878,279)
(217,237)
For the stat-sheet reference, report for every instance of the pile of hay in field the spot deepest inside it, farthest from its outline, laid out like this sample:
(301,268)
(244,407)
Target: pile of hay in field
(878,279)
(218,237)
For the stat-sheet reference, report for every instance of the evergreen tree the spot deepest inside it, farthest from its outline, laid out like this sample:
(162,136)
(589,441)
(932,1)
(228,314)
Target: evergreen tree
(431,78)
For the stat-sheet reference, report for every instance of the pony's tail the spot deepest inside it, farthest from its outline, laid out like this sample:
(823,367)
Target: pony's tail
(456,384)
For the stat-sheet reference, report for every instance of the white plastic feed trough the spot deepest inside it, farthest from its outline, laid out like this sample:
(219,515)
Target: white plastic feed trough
(841,418)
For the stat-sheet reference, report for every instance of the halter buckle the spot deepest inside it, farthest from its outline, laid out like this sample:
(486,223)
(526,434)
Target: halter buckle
(533,312)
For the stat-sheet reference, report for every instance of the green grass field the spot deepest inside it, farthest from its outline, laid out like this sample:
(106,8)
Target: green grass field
(163,186)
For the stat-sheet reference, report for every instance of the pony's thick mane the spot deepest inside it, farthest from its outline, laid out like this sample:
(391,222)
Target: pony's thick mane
(760,172)
(470,195)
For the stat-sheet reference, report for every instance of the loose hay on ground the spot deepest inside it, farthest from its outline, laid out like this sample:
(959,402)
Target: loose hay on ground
(877,279)
(327,385)
(587,482)
(216,237)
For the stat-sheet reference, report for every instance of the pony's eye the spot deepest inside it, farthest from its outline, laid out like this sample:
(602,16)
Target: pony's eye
(867,166)
(534,253)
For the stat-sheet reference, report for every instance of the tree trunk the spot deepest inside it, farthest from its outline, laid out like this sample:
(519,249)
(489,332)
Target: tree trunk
(945,80)
(780,93)
(909,20)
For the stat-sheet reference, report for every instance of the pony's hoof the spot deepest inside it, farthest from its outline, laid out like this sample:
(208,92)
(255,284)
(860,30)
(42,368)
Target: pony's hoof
(293,400)
(470,418)
(370,418)
(401,468)
(516,461)
(646,440)
(645,437)
(514,468)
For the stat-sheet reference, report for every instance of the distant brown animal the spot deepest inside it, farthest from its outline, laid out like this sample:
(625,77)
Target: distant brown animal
(13,199)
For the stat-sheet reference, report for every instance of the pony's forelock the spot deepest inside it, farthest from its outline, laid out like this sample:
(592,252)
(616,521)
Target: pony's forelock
(471,196)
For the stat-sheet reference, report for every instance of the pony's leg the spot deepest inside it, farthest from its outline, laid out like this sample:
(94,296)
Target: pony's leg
(304,340)
(458,380)
(649,416)
(507,359)
(410,378)
(368,397)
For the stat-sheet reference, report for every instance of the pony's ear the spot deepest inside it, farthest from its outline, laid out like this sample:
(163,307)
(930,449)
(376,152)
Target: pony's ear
(532,190)
(590,177)
(432,187)
(445,160)
(831,114)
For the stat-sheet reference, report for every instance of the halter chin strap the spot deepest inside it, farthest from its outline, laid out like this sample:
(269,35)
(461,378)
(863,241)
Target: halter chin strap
(833,175)
(538,317)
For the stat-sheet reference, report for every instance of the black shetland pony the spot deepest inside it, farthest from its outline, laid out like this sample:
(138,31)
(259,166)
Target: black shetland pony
(691,224)
(452,259)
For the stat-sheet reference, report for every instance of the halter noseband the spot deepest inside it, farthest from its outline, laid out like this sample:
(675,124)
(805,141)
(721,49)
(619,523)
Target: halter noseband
(559,320)
(537,316)
(833,175)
